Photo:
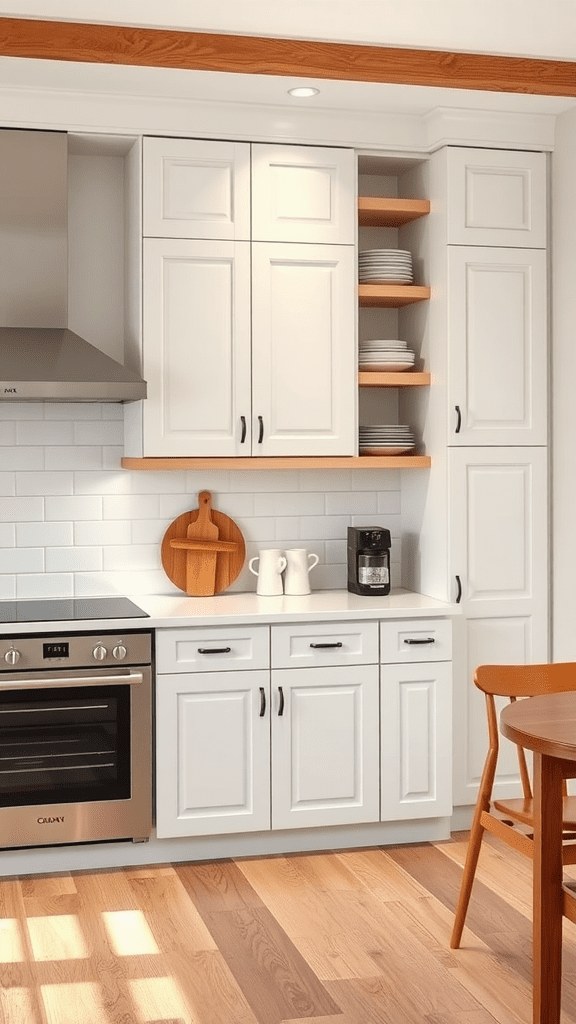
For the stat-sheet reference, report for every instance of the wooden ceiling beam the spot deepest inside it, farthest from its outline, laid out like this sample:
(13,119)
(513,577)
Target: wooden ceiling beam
(298,58)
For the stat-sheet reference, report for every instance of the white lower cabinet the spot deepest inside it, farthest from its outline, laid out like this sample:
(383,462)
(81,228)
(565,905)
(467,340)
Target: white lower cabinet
(314,734)
(213,744)
(324,746)
(416,740)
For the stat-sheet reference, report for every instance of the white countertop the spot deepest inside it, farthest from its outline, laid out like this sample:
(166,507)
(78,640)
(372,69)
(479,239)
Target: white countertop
(176,610)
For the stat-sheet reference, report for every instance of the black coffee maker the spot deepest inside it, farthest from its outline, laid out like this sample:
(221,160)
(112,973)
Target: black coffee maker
(368,560)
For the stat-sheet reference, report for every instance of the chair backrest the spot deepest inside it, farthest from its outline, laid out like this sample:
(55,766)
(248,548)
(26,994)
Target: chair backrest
(526,680)
(519,681)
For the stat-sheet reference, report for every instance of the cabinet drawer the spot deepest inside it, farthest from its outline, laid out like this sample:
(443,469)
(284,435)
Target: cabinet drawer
(212,649)
(332,643)
(416,640)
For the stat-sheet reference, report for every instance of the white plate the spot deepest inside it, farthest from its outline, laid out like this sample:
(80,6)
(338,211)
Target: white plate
(392,450)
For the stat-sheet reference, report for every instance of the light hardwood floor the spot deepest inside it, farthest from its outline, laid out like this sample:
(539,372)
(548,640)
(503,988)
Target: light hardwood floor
(350,937)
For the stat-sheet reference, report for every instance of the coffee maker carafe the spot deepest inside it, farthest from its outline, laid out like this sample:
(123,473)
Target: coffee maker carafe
(368,560)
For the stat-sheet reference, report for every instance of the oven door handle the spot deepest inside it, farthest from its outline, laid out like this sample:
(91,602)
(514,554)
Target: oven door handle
(27,683)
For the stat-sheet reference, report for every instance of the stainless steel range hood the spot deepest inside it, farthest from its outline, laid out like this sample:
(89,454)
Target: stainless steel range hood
(40,358)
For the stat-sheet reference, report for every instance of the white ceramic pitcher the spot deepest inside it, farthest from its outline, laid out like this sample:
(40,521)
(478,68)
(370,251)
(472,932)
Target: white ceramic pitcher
(298,566)
(269,572)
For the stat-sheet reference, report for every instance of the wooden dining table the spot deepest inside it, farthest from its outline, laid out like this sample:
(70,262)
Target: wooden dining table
(547,726)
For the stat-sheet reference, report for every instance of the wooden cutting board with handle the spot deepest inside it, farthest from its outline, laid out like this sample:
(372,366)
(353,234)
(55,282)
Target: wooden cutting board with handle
(203,551)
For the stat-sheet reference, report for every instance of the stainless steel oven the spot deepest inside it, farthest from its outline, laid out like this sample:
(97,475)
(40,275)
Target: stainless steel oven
(75,737)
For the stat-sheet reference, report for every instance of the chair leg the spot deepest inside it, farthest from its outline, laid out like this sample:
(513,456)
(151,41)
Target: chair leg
(474,844)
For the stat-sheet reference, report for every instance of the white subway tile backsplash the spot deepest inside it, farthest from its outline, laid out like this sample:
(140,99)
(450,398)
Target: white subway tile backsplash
(130,506)
(73,559)
(135,557)
(71,457)
(66,508)
(7,537)
(44,483)
(20,510)
(351,503)
(18,560)
(36,585)
(7,484)
(7,587)
(21,458)
(109,432)
(7,432)
(45,433)
(97,528)
(104,482)
(43,535)
(103,532)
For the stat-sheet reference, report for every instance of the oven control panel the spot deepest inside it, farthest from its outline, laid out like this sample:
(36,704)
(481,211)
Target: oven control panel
(22,653)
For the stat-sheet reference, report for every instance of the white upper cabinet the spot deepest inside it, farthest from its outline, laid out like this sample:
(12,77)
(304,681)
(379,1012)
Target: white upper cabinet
(497,345)
(196,189)
(496,197)
(303,370)
(196,347)
(303,194)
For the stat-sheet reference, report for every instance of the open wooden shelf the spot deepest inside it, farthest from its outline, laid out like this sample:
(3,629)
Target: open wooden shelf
(381,379)
(285,462)
(392,213)
(391,295)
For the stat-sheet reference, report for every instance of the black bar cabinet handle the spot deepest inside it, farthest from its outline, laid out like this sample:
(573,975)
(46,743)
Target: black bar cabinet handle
(262,702)
(214,650)
(458,418)
(243,422)
(459,594)
(424,640)
(281,704)
(338,644)
(260,430)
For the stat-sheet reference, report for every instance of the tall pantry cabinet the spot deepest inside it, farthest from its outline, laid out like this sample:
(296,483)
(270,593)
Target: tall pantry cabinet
(482,517)
(248,318)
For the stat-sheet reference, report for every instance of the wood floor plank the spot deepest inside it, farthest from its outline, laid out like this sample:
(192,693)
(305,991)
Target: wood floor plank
(380,873)
(172,917)
(217,885)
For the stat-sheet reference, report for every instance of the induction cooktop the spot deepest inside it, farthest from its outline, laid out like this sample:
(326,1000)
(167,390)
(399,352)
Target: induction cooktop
(70,609)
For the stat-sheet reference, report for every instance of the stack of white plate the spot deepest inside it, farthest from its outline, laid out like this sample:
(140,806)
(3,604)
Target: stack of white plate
(385,266)
(386,439)
(392,355)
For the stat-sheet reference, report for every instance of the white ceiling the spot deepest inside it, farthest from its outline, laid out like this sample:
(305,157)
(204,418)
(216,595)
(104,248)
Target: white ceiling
(540,28)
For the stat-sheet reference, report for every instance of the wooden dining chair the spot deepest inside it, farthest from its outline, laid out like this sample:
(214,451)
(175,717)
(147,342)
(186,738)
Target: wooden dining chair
(511,820)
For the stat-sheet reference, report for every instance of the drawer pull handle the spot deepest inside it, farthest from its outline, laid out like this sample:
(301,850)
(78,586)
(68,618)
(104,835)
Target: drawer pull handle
(281,704)
(260,430)
(337,644)
(243,422)
(214,650)
(458,419)
(262,702)
(459,594)
(425,640)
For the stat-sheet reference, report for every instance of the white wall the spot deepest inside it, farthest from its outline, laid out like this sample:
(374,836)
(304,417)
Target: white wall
(73,523)
(563,388)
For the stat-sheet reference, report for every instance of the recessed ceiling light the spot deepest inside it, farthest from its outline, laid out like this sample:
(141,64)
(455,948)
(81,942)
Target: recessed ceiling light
(304,91)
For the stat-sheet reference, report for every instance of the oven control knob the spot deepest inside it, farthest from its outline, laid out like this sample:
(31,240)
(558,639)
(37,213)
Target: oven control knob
(99,652)
(119,652)
(12,656)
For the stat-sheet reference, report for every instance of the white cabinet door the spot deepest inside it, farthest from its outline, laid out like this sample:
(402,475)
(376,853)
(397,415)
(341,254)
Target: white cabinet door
(303,330)
(196,189)
(496,197)
(499,554)
(303,194)
(213,753)
(416,740)
(497,346)
(324,746)
(196,347)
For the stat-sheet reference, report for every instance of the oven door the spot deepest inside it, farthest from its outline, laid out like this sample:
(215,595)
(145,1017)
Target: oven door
(75,756)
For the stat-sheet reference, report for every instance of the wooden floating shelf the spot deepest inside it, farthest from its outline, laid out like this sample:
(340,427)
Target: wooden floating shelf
(391,295)
(381,379)
(392,213)
(284,462)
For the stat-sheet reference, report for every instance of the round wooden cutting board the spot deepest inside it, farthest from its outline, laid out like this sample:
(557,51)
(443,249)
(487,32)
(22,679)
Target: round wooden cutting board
(191,554)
